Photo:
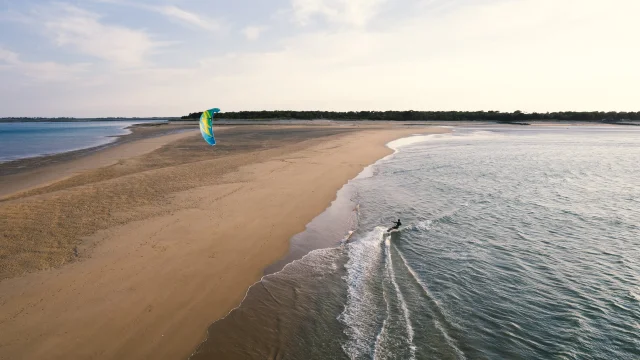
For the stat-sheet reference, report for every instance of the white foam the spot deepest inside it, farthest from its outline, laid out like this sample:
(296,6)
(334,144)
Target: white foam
(416,138)
(397,144)
(367,172)
(423,225)
(403,303)
(316,257)
(380,337)
(360,312)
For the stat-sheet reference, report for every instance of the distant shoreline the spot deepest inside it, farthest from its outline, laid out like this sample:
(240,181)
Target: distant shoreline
(175,125)
(21,174)
(137,132)
(232,118)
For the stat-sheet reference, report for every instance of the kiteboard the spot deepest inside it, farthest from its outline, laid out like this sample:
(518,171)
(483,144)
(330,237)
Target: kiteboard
(393,229)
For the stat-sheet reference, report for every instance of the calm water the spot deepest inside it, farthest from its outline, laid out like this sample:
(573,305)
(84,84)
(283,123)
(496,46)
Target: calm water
(19,140)
(518,243)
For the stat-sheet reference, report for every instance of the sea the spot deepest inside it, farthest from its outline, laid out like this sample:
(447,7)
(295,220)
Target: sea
(20,140)
(517,243)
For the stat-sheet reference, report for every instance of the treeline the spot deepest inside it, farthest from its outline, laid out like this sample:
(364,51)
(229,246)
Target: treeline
(517,116)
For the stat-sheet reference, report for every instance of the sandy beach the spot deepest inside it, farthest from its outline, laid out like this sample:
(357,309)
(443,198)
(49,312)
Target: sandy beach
(132,252)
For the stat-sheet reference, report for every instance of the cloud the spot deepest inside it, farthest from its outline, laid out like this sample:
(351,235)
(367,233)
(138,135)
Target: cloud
(187,18)
(253,32)
(349,12)
(532,55)
(84,31)
(173,13)
(42,71)
(8,57)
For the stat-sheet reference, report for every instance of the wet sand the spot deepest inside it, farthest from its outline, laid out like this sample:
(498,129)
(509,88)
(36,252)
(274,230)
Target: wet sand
(136,257)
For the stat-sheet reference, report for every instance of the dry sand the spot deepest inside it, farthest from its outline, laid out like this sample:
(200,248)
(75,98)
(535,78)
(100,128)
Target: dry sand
(135,259)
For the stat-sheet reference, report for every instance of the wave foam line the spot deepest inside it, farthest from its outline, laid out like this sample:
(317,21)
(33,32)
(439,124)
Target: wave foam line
(378,345)
(438,325)
(260,282)
(403,304)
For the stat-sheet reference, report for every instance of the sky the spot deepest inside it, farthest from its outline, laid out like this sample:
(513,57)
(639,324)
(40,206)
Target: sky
(95,58)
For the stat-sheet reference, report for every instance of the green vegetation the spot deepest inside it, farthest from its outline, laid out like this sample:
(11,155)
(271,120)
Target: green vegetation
(411,115)
(517,117)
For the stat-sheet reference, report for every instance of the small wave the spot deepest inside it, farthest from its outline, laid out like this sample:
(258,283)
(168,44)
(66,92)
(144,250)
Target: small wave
(397,144)
(320,260)
(367,172)
(422,225)
(418,138)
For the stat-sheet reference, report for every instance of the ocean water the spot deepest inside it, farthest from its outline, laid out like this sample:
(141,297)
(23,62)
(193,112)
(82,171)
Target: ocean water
(19,140)
(517,243)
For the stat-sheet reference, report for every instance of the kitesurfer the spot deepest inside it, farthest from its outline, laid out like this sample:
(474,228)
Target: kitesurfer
(395,226)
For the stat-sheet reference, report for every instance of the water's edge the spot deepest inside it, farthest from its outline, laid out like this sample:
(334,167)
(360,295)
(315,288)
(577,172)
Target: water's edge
(305,243)
(105,142)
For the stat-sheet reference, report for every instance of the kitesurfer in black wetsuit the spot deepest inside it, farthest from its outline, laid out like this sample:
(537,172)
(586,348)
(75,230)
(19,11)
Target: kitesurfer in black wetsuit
(396,226)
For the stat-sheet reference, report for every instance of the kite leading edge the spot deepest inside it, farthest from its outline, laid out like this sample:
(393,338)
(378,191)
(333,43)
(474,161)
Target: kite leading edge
(206,125)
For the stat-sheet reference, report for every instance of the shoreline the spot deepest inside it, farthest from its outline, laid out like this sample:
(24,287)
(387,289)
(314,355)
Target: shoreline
(281,263)
(324,231)
(151,130)
(155,276)
(24,174)
(136,132)
(28,161)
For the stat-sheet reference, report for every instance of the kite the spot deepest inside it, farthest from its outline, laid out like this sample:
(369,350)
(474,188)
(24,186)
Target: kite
(206,125)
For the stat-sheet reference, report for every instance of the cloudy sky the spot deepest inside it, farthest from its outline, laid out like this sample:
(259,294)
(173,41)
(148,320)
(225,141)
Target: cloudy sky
(171,57)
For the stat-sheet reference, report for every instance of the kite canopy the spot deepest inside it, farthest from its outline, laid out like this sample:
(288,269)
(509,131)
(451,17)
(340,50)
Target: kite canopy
(206,125)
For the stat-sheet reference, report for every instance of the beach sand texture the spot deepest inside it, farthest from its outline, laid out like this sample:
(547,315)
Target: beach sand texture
(135,259)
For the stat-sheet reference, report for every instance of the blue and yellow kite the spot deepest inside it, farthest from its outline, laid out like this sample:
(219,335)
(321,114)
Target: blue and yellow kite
(206,125)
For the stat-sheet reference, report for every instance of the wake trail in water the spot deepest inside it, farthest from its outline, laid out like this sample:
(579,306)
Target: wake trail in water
(378,345)
(450,341)
(403,304)
(371,280)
